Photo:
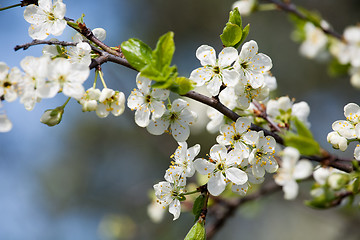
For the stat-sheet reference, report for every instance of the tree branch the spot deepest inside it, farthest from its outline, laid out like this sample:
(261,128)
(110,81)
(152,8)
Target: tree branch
(292,9)
(332,161)
(86,32)
(215,103)
(39,42)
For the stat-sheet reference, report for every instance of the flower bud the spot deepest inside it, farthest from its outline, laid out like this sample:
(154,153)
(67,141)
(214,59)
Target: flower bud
(338,180)
(5,123)
(337,141)
(52,117)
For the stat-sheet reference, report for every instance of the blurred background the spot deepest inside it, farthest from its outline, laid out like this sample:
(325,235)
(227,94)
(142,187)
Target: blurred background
(90,178)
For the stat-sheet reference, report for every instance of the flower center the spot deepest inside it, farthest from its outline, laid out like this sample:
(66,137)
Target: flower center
(216,70)
(51,17)
(148,99)
(244,65)
(236,137)
(7,84)
(173,116)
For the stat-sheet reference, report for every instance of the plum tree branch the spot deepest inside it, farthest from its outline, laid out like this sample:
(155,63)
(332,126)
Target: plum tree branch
(105,55)
(292,9)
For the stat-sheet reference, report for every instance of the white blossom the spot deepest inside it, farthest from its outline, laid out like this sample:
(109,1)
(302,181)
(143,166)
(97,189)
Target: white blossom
(5,123)
(221,169)
(243,188)
(245,7)
(261,157)
(182,167)
(147,101)
(315,41)
(252,65)
(238,135)
(337,141)
(46,18)
(177,118)
(215,72)
(33,83)
(66,77)
(246,94)
(283,108)
(80,53)
(8,82)
(110,101)
(270,81)
(167,194)
(89,100)
(292,169)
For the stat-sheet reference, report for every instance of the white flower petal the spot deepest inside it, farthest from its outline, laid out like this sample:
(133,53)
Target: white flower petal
(303,169)
(236,175)
(142,116)
(206,55)
(157,127)
(216,184)
(290,189)
(203,166)
(227,57)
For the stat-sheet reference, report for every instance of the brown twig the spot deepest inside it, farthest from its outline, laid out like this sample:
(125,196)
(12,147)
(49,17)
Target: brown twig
(292,9)
(264,115)
(215,103)
(39,42)
(332,161)
(87,33)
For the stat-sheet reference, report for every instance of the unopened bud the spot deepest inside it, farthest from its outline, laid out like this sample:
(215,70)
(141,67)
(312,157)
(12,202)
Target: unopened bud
(52,117)
(338,180)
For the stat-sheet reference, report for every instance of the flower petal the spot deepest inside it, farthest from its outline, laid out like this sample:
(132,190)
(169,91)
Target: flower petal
(206,55)
(236,175)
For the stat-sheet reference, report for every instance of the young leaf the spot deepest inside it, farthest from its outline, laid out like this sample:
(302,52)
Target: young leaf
(164,51)
(245,33)
(81,19)
(138,53)
(305,145)
(198,205)
(336,69)
(231,35)
(235,17)
(182,85)
(197,232)
(302,130)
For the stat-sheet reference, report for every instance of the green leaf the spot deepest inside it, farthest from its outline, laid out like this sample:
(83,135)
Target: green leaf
(231,35)
(154,74)
(337,69)
(138,53)
(301,128)
(305,145)
(235,17)
(198,205)
(245,33)
(73,25)
(164,51)
(322,201)
(81,19)
(197,232)
(182,85)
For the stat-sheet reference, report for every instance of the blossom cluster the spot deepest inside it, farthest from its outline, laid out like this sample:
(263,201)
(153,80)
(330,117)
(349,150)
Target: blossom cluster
(59,69)
(346,51)
(151,112)
(345,131)
(241,81)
